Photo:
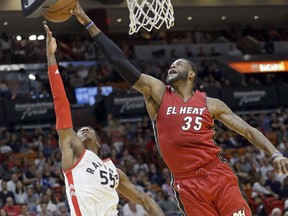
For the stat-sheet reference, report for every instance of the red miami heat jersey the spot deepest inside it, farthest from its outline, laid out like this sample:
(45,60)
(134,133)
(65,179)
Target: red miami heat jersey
(184,132)
(91,186)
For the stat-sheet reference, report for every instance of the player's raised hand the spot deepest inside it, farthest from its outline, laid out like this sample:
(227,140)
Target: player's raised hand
(80,14)
(51,44)
(281,164)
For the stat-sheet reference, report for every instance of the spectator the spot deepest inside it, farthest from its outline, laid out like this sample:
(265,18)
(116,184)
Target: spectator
(5,193)
(169,206)
(4,90)
(265,167)
(19,192)
(276,212)
(140,165)
(90,53)
(3,212)
(188,52)
(259,188)
(44,211)
(166,188)
(5,44)
(201,52)
(214,52)
(268,46)
(4,148)
(11,184)
(32,199)
(21,88)
(49,205)
(284,190)
(62,210)
(11,208)
(24,210)
(29,174)
(133,209)
(272,183)
(233,51)
(14,143)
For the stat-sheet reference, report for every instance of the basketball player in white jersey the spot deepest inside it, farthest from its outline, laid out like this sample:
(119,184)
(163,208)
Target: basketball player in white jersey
(91,184)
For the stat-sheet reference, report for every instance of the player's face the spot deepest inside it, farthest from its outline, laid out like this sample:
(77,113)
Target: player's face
(177,71)
(86,133)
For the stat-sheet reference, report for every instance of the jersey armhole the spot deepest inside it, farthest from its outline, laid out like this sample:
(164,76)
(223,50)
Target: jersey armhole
(205,97)
(106,159)
(167,88)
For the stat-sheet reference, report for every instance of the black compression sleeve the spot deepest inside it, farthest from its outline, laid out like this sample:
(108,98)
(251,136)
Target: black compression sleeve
(116,58)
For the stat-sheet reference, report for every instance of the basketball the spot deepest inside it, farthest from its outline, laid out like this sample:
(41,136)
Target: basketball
(59,12)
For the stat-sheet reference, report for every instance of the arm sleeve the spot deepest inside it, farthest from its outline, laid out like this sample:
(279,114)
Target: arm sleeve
(117,58)
(61,103)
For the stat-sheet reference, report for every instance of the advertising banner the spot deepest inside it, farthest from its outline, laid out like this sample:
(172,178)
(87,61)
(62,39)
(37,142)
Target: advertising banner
(125,104)
(260,67)
(29,110)
(283,95)
(257,97)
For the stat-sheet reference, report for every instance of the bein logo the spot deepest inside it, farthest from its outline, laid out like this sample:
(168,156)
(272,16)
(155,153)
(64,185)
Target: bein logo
(239,213)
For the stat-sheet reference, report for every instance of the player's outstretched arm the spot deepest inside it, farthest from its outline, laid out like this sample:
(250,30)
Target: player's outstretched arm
(70,145)
(220,111)
(127,189)
(143,83)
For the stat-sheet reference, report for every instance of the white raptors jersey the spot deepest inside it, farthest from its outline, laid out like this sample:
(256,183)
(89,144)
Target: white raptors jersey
(91,186)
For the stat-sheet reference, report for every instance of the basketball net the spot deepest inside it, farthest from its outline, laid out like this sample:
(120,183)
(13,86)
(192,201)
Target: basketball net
(149,14)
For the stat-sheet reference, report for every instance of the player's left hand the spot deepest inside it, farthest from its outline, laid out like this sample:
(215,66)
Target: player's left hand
(280,164)
(51,44)
(80,14)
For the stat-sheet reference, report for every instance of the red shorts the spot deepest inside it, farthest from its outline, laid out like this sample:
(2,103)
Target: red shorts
(210,191)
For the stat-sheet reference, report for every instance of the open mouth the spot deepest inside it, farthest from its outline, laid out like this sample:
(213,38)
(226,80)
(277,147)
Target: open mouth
(172,71)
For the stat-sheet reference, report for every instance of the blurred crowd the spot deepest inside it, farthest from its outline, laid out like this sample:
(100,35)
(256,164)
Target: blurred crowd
(18,84)
(211,74)
(32,181)
(80,47)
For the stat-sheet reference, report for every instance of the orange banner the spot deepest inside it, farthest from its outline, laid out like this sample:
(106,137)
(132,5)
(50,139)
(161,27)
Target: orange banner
(260,67)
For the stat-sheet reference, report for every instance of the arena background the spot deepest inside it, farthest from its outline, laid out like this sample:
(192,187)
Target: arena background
(240,48)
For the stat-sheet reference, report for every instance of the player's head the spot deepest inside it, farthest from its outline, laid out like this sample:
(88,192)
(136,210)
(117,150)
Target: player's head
(181,69)
(88,136)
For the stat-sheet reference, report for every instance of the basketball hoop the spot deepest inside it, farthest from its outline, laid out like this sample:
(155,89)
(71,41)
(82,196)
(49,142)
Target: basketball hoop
(150,14)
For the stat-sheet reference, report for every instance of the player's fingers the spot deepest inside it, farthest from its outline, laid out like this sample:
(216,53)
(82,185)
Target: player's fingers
(278,167)
(284,165)
(48,32)
(74,11)
(46,29)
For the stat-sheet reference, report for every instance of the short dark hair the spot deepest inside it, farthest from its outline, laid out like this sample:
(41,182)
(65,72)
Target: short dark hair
(193,67)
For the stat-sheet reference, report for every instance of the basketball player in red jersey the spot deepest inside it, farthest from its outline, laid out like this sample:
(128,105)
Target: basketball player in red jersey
(91,184)
(204,183)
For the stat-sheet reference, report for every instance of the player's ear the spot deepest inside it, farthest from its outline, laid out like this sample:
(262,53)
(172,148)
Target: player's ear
(191,74)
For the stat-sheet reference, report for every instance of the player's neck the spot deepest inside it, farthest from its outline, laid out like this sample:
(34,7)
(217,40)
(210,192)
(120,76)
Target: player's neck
(92,147)
(184,91)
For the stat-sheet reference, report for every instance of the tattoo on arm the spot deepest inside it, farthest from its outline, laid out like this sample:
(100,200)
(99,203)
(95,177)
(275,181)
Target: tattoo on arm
(237,124)
(51,60)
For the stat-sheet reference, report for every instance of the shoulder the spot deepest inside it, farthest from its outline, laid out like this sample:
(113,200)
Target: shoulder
(216,106)
(121,173)
(212,101)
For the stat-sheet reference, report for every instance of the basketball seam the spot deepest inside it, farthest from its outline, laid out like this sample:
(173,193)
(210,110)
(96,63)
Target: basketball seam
(47,16)
(60,8)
